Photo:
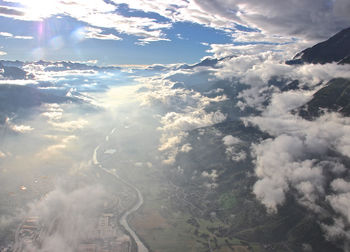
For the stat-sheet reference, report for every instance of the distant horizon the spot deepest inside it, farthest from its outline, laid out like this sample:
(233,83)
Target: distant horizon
(96,63)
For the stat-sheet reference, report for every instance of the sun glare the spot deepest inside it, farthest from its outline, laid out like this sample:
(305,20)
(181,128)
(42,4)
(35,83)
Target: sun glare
(40,9)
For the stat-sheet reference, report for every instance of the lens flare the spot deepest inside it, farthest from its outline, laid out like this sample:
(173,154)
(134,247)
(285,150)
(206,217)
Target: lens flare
(78,34)
(38,53)
(57,43)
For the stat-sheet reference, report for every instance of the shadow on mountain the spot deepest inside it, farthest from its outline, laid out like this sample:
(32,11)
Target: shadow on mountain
(335,49)
(335,96)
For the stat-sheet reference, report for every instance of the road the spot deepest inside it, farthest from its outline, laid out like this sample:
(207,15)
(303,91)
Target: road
(123,221)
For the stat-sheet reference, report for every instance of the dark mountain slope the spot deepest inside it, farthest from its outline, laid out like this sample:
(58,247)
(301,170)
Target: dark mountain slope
(14,73)
(335,49)
(335,96)
(15,97)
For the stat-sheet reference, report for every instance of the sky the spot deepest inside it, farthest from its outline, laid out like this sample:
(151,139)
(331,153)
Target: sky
(159,31)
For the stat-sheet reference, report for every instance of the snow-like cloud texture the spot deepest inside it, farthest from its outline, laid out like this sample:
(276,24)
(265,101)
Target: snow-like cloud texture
(256,68)
(182,110)
(299,158)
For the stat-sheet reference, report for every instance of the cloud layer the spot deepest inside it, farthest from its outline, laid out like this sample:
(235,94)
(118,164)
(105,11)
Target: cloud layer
(182,110)
(268,21)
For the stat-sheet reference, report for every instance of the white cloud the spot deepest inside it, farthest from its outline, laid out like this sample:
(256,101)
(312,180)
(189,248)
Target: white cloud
(23,37)
(298,158)
(53,112)
(328,131)
(284,18)
(232,150)
(338,229)
(235,154)
(341,204)
(255,68)
(6,34)
(172,121)
(271,17)
(259,37)
(69,125)
(175,125)
(182,110)
(95,13)
(340,185)
(74,215)
(230,140)
(281,163)
(10,35)
(186,148)
(61,144)
(95,33)
(18,128)
(212,175)
(22,128)
(282,103)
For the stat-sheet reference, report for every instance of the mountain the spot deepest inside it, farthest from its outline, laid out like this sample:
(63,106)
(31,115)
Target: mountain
(65,65)
(15,68)
(335,49)
(16,97)
(14,73)
(10,63)
(346,60)
(207,62)
(232,201)
(335,96)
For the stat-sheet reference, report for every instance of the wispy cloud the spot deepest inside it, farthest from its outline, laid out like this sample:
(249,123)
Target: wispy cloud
(75,223)
(96,13)
(184,110)
(18,128)
(95,33)
(10,35)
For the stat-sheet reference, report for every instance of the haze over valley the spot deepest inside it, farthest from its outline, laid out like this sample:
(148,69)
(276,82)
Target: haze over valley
(149,126)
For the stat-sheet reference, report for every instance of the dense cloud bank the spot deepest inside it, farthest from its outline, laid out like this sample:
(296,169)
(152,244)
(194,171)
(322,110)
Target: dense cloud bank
(181,110)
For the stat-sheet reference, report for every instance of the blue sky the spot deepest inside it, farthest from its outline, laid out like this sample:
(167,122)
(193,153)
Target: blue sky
(149,32)
(184,45)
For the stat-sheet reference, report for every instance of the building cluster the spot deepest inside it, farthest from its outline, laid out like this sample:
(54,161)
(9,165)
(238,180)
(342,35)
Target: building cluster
(28,235)
(106,238)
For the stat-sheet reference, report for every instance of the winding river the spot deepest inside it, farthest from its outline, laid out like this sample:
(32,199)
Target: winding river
(123,221)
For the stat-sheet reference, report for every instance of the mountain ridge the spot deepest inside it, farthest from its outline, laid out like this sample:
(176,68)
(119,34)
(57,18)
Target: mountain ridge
(334,49)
